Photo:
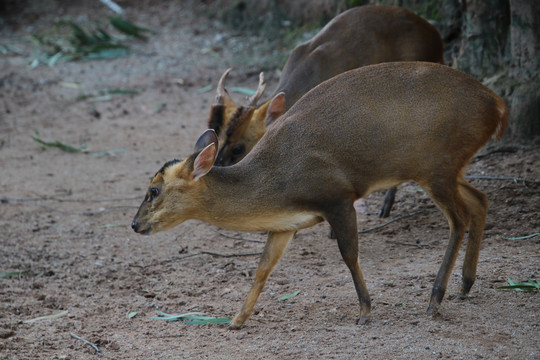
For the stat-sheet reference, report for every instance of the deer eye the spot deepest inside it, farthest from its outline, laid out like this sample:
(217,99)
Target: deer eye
(154,192)
(238,150)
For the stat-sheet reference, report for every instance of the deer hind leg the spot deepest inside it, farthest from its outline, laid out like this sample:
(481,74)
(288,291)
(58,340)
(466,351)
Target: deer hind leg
(273,251)
(477,204)
(447,197)
(345,229)
(388,202)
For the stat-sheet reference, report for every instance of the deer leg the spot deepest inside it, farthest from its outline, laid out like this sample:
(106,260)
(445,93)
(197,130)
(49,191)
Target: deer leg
(477,203)
(345,228)
(448,199)
(331,234)
(273,251)
(388,202)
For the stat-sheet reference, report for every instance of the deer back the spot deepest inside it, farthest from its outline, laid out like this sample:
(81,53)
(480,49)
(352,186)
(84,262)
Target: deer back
(377,126)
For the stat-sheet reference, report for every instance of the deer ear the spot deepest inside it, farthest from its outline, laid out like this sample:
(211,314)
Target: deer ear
(204,161)
(259,117)
(276,108)
(207,138)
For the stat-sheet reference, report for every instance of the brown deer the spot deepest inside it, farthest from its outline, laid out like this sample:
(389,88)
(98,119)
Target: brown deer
(364,130)
(361,36)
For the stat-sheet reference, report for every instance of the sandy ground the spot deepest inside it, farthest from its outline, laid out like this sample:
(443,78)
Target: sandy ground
(64,220)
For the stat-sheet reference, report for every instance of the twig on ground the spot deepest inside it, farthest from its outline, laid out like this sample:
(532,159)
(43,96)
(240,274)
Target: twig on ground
(208,253)
(47,317)
(240,238)
(504,178)
(86,342)
(229,255)
(405,244)
(391,221)
(183,257)
(500,149)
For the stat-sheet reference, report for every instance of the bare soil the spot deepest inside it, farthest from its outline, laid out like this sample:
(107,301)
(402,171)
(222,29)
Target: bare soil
(64,219)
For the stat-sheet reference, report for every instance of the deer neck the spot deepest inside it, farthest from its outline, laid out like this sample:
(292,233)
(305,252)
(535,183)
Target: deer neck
(229,193)
(243,197)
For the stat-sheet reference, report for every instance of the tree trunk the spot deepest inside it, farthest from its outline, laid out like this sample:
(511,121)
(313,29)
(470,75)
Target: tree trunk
(484,36)
(524,69)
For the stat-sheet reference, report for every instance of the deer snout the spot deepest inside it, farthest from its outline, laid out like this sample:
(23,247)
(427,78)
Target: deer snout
(136,226)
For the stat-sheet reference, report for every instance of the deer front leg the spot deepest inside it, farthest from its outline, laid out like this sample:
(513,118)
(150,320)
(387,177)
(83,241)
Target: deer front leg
(273,251)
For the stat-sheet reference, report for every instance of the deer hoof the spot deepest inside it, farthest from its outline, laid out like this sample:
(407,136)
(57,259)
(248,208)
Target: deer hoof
(234,327)
(363,320)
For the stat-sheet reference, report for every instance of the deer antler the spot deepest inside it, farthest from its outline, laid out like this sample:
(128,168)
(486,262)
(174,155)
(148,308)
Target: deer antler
(222,95)
(252,101)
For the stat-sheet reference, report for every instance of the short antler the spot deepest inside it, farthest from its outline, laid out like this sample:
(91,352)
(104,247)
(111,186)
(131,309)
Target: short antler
(252,101)
(222,95)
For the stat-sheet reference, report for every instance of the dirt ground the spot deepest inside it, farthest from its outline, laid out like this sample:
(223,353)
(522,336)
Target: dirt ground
(65,217)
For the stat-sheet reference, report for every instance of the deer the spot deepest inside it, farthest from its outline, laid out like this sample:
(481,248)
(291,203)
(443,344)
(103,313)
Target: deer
(360,36)
(364,130)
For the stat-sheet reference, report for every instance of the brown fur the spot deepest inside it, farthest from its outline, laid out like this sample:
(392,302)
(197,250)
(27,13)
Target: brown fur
(363,130)
(360,36)
(239,122)
(216,119)
(245,129)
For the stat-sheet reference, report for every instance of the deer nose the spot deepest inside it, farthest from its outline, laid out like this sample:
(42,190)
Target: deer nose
(134,225)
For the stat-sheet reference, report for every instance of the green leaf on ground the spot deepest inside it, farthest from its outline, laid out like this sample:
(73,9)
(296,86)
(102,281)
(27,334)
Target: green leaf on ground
(529,285)
(10,274)
(58,144)
(106,94)
(243,91)
(72,149)
(285,297)
(192,318)
(128,28)
(131,314)
(203,90)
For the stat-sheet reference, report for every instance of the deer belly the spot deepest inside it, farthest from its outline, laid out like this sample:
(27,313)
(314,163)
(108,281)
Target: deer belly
(283,221)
